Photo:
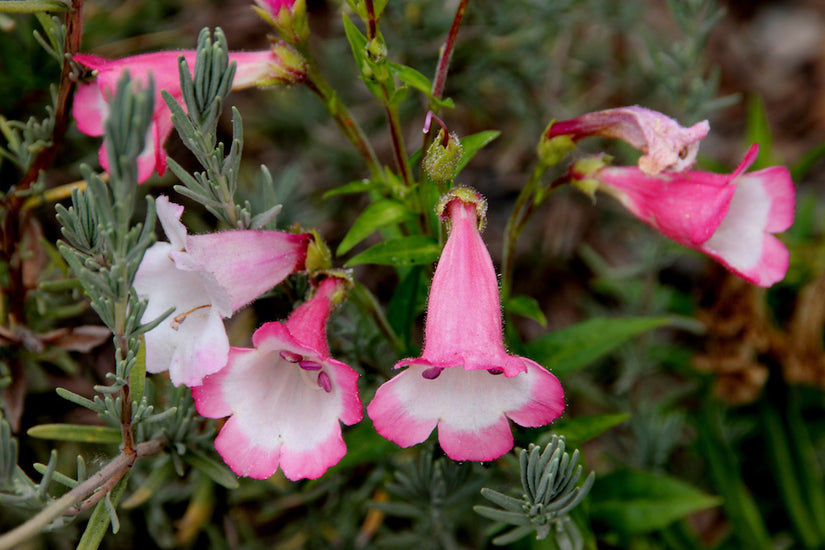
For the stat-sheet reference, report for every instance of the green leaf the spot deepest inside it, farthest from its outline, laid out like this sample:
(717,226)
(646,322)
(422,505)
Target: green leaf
(472,144)
(404,304)
(584,428)
(360,186)
(76,432)
(760,132)
(100,519)
(526,306)
(413,78)
(634,502)
(571,348)
(32,6)
(412,250)
(357,41)
(805,164)
(377,215)
(218,473)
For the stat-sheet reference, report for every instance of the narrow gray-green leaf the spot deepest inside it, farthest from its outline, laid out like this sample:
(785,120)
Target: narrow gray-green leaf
(76,432)
(218,473)
(412,250)
(377,215)
(99,521)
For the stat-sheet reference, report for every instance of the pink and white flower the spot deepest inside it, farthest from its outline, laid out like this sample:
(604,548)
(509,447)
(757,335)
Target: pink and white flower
(206,278)
(285,396)
(731,218)
(465,383)
(666,144)
(91,102)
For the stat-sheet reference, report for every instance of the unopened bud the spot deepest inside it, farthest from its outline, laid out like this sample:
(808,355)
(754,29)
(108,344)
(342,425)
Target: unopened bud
(552,150)
(443,155)
(289,17)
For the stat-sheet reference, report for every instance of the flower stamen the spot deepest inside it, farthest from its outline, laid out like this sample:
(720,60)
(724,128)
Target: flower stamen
(178,321)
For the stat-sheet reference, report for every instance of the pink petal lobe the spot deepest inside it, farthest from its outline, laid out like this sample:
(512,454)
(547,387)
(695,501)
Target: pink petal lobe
(90,109)
(242,455)
(259,260)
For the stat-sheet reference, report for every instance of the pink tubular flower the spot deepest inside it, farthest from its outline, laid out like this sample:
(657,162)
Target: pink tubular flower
(91,102)
(206,278)
(454,384)
(731,218)
(666,144)
(285,397)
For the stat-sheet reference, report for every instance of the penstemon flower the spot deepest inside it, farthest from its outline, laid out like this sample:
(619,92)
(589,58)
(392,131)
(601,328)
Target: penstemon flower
(731,218)
(666,145)
(465,382)
(280,65)
(285,396)
(206,278)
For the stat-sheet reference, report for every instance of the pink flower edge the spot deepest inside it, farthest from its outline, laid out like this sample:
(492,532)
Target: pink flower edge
(469,408)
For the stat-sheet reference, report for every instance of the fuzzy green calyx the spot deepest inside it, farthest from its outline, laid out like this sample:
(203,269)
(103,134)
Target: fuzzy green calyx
(443,155)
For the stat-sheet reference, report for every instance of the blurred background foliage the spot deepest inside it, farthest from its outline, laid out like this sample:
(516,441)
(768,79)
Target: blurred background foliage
(710,427)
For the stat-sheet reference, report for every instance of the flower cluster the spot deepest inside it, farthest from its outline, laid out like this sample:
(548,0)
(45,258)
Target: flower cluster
(280,65)
(730,217)
(286,397)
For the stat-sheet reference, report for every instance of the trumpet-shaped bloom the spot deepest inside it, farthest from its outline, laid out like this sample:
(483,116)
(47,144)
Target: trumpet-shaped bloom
(285,396)
(731,218)
(206,278)
(91,102)
(465,383)
(666,145)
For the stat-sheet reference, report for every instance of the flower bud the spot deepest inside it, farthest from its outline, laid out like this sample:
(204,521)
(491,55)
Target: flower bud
(289,17)
(441,160)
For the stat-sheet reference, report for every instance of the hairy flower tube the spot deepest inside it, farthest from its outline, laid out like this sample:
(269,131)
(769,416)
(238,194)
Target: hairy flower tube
(285,396)
(729,217)
(666,145)
(91,102)
(465,383)
(206,278)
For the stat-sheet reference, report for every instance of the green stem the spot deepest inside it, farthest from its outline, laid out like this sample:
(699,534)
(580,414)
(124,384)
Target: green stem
(116,467)
(365,300)
(340,114)
(522,210)
(401,160)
